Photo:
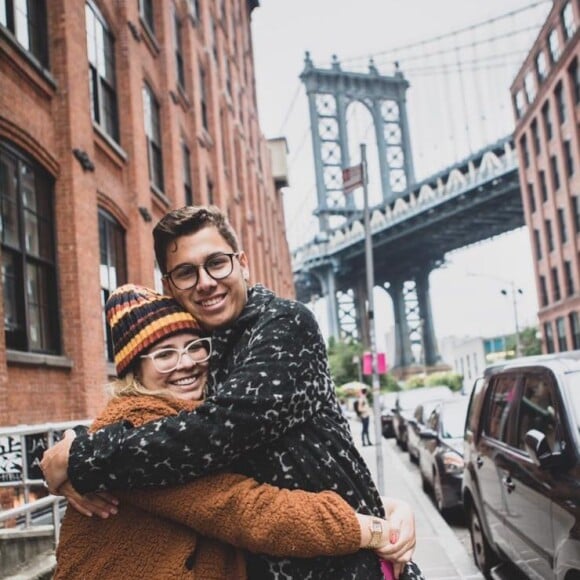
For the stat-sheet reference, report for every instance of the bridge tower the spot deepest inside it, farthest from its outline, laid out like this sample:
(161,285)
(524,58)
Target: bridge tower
(330,92)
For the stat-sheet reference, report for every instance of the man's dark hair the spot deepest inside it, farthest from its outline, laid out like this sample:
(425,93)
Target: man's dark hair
(188,220)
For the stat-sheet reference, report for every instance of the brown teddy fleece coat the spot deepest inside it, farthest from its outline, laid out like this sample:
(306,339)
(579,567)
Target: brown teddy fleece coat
(194,531)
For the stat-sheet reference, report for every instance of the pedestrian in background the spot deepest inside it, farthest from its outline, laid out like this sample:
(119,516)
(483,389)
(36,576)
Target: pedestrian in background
(271,411)
(363,410)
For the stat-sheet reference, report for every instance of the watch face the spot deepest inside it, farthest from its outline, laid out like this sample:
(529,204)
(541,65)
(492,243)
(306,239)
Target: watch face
(377,526)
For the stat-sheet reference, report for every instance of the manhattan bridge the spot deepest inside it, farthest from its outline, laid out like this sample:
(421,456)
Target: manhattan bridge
(454,91)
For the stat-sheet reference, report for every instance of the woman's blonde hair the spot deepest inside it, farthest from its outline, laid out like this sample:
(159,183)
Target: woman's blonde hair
(130,386)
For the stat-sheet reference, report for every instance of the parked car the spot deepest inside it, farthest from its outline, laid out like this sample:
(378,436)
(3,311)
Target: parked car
(388,401)
(407,402)
(441,452)
(521,483)
(416,424)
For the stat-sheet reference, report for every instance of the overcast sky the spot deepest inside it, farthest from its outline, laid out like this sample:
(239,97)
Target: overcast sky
(466,293)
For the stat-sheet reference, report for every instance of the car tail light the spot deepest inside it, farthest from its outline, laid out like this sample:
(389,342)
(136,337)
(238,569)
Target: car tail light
(453,462)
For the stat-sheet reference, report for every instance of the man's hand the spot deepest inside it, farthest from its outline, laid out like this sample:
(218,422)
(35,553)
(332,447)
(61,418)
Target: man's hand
(102,504)
(54,463)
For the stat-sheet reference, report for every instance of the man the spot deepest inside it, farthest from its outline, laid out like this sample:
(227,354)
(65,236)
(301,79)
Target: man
(270,413)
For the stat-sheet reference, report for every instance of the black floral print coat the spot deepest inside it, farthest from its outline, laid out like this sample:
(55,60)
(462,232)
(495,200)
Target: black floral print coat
(271,413)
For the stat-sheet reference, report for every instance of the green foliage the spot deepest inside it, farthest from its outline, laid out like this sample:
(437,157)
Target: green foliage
(452,380)
(342,357)
(530,341)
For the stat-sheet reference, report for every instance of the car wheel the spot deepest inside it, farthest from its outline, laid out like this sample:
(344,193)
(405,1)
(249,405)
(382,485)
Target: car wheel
(484,556)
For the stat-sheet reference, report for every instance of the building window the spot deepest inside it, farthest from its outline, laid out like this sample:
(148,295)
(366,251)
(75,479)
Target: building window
(113,267)
(560,103)
(203,98)
(530,87)
(562,225)
(576,213)
(26,21)
(520,104)
(543,186)
(193,6)
(146,13)
(556,285)
(569,278)
(28,260)
(531,197)
(525,151)
(102,83)
(549,337)
(543,291)
(554,45)
(214,46)
(555,173)
(541,68)
(568,24)
(569,158)
(209,184)
(538,244)
(536,137)
(228,77)
(547,120)
(177,41)
(153,134)
(187,173)
(561,330)
(574,79)
(549,235)
(575,327)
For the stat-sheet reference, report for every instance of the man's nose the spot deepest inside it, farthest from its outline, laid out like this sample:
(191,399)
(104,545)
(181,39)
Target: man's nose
(204,280)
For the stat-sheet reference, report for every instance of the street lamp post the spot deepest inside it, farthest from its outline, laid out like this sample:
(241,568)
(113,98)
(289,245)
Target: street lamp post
(514,292)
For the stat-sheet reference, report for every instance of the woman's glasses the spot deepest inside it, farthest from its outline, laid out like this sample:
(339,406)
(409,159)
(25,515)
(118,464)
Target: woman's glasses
(166,360)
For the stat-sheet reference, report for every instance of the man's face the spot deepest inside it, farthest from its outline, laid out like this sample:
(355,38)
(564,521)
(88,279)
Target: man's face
(214,303)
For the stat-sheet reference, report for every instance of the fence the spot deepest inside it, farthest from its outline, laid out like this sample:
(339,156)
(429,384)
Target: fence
(25,504)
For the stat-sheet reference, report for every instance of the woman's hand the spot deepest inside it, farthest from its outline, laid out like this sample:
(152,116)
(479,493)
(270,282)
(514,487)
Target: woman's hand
(402,533)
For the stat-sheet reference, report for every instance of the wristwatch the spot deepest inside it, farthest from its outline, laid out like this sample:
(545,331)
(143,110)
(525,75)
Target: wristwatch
(376,530)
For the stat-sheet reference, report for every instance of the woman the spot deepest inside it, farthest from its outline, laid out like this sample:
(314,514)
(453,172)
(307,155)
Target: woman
(194,530)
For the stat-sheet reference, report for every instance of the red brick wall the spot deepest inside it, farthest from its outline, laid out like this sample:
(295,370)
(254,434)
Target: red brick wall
(47,119)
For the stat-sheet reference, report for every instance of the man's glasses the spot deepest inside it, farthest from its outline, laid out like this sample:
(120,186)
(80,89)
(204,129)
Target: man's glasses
(166,360)
(218,267)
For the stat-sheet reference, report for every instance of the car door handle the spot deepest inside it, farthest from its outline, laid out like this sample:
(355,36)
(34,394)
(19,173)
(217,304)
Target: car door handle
(508,484)
(479,461)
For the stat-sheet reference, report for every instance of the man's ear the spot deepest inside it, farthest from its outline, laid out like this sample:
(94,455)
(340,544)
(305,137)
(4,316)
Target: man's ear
(245,266)
(167,287)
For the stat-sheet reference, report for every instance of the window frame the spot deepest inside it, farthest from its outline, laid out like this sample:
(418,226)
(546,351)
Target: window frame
(30,221)
(153,136)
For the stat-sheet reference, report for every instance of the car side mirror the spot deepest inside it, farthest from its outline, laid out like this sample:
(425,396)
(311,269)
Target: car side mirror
(537,447)
(427,434)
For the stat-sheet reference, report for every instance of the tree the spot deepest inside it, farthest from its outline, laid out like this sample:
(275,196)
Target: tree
(530,341)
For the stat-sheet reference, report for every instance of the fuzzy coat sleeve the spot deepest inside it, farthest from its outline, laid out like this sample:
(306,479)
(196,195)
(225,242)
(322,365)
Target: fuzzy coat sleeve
(237,509)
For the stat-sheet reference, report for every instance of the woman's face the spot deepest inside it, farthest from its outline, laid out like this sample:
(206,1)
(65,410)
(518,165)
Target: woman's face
(188,380)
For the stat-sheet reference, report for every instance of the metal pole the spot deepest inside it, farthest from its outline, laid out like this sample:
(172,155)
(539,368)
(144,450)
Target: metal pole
(371,320)
(514,301)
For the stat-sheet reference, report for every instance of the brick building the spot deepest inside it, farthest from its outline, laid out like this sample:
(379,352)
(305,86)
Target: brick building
(546,97)
(111,113)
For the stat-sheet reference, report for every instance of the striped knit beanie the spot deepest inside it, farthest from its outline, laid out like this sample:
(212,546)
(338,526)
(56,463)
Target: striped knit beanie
(139,318)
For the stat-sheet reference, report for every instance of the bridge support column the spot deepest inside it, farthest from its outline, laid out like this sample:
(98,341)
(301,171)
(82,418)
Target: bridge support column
(403,353)
(328,283)
(362,321)
(430,351)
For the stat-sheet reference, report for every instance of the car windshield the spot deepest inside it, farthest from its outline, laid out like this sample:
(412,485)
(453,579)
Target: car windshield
(573,389)
(408,400)
(454,418)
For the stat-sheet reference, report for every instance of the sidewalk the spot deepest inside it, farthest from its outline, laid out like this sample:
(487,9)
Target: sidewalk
(439,552)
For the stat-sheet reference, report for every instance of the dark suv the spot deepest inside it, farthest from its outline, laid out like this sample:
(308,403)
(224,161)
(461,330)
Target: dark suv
(521,483)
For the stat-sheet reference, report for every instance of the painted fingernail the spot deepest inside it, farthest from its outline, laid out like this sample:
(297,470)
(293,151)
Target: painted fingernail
(393,537)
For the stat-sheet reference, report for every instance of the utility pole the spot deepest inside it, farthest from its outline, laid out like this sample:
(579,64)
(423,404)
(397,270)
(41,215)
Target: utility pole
(371,320)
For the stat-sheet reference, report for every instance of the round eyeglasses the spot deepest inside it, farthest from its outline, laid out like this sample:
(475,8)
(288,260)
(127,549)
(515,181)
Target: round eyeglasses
(218,267)
(166,360)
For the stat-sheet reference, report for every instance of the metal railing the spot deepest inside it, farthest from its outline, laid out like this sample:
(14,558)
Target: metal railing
(21,449)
